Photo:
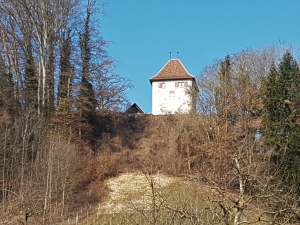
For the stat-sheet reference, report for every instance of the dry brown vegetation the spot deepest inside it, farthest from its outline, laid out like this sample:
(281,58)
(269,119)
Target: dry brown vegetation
(54,171)
(209,151)
(49,176)
(63,136)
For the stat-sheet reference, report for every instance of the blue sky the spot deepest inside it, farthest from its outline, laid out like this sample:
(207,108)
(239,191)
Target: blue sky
(144,32)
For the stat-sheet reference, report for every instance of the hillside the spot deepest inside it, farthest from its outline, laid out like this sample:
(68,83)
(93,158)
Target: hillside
(186,148)
(151,169)
(175,149)
(137,198)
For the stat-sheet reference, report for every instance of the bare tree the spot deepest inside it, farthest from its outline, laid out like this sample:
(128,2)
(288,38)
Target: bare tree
(110,88)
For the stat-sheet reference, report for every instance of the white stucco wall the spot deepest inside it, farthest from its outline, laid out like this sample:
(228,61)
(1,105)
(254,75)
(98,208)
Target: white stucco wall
(169,98)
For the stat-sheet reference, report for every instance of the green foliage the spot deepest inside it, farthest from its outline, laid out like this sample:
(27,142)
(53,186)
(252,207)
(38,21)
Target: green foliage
(281,129)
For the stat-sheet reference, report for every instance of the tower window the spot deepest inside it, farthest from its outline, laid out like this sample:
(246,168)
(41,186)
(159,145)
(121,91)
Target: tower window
(161,85)
(172,93)
(180,84)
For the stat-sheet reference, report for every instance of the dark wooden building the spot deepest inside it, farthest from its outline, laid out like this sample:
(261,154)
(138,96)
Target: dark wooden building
(134,109)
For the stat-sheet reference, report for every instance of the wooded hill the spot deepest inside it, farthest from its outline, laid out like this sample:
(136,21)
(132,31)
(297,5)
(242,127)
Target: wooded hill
(234,142)
(63,133)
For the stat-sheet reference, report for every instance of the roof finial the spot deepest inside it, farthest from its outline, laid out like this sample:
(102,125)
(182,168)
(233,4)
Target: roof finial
(170,55)
(177,54)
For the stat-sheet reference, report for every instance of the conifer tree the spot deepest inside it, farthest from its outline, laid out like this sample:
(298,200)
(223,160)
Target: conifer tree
(87,100)
(49,103)
(31,80)
(65,67)
(6,90)
(281,129)
(32,85)
(222,93)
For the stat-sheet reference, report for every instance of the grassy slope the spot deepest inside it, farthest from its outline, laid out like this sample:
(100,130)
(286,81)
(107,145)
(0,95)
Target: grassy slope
(158,199)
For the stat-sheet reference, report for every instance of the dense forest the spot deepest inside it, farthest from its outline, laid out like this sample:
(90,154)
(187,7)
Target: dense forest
(63,132)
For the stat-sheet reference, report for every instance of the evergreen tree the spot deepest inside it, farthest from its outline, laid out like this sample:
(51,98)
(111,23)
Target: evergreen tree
(223,91)
(87,95)
(6,90)
(65,67)
(49,106)
(31,81)
(281,130)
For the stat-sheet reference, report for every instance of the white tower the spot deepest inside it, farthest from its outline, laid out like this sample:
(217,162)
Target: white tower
(170,89)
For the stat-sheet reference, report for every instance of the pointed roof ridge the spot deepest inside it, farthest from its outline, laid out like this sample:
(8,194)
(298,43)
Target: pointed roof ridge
(173,69)
(162,68)
(132,107)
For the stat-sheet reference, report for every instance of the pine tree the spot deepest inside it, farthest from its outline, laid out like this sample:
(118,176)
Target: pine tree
(281,130)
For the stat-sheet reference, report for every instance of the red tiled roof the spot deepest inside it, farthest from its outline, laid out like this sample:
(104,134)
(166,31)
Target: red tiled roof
(171,71)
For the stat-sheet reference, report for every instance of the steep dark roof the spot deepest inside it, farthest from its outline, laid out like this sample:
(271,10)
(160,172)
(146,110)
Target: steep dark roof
(134,109)
(173,70)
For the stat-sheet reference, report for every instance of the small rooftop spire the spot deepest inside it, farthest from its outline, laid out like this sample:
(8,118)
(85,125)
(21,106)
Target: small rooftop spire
(170,55)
